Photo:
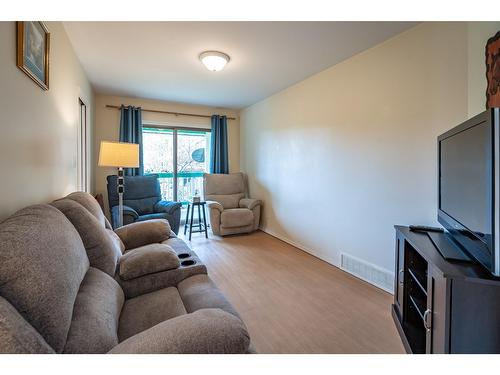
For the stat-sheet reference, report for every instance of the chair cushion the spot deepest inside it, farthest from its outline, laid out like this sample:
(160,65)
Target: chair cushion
(227,201)
(145,311)
(224,184)
(17,336)
(147,259)
(144,232)
(94,327)
(103,246)
(42,263)
(159,215)
(141,192)
(236,217)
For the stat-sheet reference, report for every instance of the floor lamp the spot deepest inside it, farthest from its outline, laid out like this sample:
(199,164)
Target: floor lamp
(120,155)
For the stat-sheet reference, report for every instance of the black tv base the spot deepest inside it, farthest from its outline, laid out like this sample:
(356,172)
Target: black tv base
(447,248)
(442,306)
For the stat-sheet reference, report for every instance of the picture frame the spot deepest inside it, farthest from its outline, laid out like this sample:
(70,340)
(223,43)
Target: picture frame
(492,52)
(33,49)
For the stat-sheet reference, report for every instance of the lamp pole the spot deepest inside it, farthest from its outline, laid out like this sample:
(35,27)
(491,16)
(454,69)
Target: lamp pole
(120,189)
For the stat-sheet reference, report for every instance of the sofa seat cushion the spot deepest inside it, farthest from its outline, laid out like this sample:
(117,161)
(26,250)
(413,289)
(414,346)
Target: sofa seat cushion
(147,259)
(104,248)
(42,264)
(94,327)
(236,217)
(145,311)
(199,292)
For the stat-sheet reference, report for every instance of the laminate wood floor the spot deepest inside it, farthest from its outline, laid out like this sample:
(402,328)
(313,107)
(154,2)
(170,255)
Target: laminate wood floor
(293,302)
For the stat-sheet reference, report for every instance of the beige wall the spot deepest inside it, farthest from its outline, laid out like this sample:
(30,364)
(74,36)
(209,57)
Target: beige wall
(108,125)
(341,157)
(38,129)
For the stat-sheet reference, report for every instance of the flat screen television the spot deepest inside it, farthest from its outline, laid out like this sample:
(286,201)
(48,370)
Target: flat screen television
(468,187)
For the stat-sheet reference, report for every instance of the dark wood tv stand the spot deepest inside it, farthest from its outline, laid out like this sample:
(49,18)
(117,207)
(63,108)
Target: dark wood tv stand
(442,306)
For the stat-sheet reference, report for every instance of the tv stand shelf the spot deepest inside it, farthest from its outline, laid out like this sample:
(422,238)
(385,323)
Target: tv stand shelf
(443,306)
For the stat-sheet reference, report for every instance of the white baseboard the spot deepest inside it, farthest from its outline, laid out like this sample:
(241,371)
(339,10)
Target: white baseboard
(367,270)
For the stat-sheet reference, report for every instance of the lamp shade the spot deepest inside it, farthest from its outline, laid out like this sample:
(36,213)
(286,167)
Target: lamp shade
(119,154)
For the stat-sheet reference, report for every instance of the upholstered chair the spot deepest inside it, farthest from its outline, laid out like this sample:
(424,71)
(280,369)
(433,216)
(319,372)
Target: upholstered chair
(231,212)
(142,201)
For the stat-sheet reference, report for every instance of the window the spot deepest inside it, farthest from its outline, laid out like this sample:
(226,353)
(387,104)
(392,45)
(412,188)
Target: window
(179,157)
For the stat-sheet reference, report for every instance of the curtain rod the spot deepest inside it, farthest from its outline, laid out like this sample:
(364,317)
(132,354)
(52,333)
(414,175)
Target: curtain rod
(169,113)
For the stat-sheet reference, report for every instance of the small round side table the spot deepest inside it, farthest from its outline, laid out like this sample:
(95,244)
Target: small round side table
(202,227)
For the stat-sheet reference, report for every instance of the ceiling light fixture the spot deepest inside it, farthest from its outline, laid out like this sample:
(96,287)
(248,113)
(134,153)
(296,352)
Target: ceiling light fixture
(214,60)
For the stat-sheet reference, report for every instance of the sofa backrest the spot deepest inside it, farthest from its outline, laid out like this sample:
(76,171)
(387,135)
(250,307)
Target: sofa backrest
(42,264)
(103,246)
(91,204)
(227,189)
(141,192)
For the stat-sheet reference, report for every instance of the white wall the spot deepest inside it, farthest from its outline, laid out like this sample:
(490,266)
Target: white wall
(107,128)
(341,157)
(38,129)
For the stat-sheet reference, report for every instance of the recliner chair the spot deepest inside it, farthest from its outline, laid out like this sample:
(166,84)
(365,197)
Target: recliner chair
(142,201)
(230,211)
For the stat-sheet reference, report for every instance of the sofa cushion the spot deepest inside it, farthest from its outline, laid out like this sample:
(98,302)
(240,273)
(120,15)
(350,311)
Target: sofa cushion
(144,232)
(145,311)
(236,217)
(103,246)
(91,204)
(94,326)
(147,259)
(42,263)
(199,292)
(16,335)
(206,331)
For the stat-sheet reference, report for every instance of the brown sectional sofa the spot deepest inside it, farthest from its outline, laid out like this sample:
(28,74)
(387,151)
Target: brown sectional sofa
(70,284)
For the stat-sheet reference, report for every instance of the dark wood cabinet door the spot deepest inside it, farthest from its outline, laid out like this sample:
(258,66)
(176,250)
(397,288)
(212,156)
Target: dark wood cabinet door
(436,319)
(399,271)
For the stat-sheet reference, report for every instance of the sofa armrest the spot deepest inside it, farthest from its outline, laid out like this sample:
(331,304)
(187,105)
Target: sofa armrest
(129,215)
(215,205)
(144,233)
(210,331)
(249,203)
(168,207)
(147,259)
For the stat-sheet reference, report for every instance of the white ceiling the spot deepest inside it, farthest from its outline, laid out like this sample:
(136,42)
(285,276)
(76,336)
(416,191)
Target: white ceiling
(159,60)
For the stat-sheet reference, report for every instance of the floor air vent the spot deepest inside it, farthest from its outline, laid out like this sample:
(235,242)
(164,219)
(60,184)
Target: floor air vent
(368,272)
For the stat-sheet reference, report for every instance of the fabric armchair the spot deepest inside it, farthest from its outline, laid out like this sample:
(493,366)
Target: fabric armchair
(231,212)
(142,201)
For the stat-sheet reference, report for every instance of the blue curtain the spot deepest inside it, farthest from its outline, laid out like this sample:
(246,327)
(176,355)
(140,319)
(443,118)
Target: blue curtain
(131,132)
(219,158)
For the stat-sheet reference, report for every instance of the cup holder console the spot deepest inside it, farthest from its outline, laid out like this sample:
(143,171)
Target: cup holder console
(183,255)
(188,262)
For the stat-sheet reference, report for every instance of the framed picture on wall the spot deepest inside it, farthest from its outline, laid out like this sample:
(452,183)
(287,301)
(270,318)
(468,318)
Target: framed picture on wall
(493,71)
(33,46)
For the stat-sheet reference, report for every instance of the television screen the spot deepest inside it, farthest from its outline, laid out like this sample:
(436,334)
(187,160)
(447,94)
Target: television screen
(466,179)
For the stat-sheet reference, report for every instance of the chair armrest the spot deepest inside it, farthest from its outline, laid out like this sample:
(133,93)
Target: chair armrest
(167,206)
(144,233)
(215,205)
(249,203)
(210,331)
